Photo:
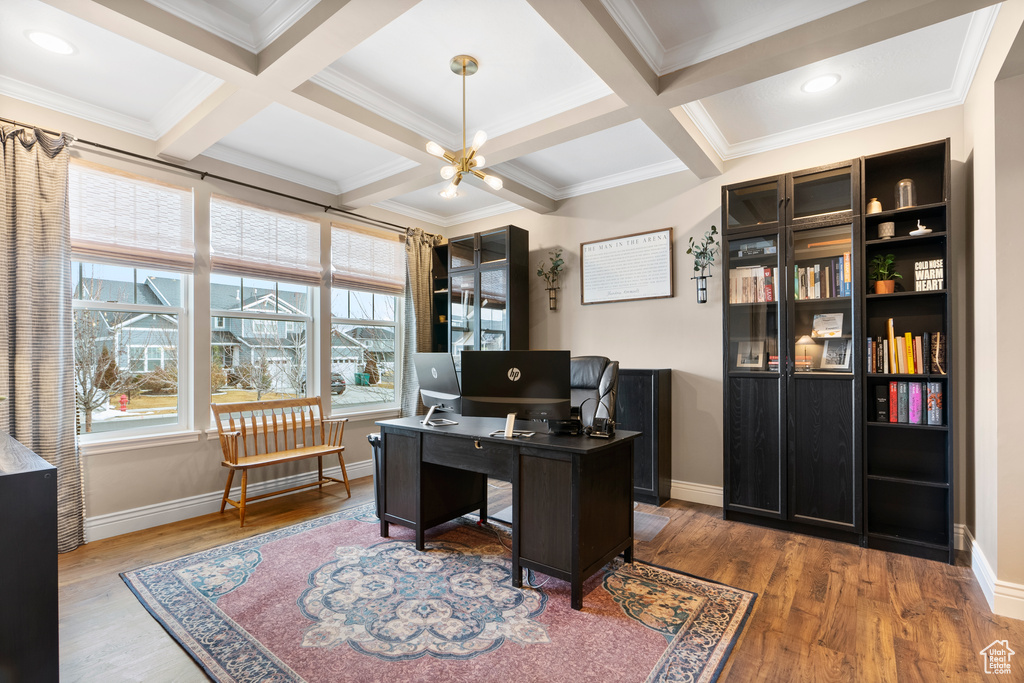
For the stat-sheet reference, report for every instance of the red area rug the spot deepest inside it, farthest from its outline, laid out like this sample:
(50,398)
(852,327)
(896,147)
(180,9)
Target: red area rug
(330,600)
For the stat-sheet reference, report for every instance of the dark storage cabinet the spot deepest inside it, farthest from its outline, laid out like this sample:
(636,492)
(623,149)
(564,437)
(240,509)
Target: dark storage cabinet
(644,404)
(28,565)
(486,292)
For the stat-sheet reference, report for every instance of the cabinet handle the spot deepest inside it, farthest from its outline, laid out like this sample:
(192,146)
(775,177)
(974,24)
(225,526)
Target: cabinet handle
(476,445)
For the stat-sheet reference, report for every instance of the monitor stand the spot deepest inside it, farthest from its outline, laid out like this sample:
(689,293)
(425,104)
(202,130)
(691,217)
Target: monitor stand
(509,432)
(439,422)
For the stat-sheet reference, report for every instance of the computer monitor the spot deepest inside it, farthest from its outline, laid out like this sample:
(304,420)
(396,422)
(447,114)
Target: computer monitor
(439,384)
(533,385)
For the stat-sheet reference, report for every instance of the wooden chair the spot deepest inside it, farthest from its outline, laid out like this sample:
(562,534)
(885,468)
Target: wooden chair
(256,434)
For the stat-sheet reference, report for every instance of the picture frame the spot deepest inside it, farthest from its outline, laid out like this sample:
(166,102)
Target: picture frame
(837,354)
(627,268)
(750,355)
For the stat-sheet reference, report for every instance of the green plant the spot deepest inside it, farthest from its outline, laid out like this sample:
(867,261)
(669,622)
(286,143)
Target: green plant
(551,274)
(881,267)
(704,251)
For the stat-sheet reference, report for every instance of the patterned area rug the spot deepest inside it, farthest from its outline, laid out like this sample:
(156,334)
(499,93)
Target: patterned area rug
(329,600)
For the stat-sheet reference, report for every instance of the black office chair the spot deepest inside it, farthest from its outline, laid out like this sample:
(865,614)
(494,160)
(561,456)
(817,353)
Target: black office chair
(595,378)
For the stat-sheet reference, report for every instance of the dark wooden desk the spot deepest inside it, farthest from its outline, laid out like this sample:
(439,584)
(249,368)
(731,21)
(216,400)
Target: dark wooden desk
(572,497)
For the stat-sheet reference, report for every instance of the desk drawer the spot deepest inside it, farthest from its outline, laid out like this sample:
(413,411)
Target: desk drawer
(492,459)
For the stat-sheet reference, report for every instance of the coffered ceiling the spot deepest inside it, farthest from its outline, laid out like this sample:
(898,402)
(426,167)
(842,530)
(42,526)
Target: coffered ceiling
(576,95)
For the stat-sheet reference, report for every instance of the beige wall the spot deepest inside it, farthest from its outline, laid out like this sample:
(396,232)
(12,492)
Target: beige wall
(678,333)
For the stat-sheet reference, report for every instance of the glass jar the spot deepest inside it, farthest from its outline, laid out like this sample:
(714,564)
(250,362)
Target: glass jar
(906,194)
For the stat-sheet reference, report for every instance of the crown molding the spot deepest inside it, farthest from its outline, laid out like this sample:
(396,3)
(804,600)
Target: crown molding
(77,108)
(513,172)
(254,36)
(632,22)
(186,100)
(231,155)
(372,175)
(449,221)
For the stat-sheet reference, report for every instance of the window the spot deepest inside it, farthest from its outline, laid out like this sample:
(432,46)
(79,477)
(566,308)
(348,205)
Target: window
(132,249)
(368,276)
(264,264)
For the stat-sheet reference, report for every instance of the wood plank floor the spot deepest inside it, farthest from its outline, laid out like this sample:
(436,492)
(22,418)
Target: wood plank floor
(825,611)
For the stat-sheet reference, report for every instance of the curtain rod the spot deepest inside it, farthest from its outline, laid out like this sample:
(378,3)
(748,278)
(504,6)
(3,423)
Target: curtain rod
(205,174)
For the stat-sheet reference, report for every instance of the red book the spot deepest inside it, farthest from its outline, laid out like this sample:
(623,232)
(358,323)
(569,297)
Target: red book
(769,285)
(893,402)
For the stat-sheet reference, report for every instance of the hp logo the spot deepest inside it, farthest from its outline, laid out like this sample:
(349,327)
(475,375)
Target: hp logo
(433,372)
(514,374)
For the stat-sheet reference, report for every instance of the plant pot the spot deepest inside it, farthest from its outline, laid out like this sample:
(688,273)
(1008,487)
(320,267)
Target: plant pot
(885,286)
(552,301)
(702,288)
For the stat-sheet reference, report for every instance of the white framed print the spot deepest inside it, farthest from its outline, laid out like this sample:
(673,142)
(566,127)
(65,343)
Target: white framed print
(837,354)
(750,355)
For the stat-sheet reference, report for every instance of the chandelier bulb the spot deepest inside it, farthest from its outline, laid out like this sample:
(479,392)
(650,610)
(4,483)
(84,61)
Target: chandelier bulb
(478,161)
(447,172)
(494,182)
(435,149)
(450,191)
(479,139)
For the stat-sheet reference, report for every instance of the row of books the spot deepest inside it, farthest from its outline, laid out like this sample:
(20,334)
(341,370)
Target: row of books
(915,403)
(753,284)
(907,354)
(829,279)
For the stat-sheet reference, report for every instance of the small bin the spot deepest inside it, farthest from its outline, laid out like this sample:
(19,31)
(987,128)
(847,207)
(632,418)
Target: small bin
(363,379)
(374,440)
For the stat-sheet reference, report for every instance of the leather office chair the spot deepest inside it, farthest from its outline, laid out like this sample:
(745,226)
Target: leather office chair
(597,378)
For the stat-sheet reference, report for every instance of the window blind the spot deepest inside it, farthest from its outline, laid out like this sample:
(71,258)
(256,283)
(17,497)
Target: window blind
(259,242)
(368,260)
(120,217)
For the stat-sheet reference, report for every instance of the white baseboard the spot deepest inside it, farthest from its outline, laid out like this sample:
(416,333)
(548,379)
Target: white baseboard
(693,492)
(136,519)
(1004,598)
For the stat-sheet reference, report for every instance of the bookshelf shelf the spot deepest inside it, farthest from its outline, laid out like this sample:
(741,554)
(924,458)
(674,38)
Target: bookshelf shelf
(930,237)
(906,425)
(904,295)
(910,210)
(913,482)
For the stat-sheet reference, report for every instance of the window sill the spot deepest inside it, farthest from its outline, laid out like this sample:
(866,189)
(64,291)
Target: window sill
(132,443)
(373,414)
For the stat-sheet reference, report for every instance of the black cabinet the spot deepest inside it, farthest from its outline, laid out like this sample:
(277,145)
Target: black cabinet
(790,324)
(644,404)
(488,292)
(28,565)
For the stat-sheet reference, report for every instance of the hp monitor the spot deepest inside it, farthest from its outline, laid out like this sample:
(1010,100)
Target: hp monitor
(528,385)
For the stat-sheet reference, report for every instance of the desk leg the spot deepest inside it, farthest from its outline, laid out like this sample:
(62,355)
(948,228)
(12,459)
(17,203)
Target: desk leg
(385,529)
(576,596)
(627,554)
(517,573)
(419,539)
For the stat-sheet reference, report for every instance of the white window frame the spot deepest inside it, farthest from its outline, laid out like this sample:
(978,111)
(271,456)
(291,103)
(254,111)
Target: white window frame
(398,325)
(185,372)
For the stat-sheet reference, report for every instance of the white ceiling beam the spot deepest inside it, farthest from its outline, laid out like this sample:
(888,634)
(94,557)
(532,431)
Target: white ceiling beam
(207,124)
(588,28)
(518,194)
(410,180)
(862,24)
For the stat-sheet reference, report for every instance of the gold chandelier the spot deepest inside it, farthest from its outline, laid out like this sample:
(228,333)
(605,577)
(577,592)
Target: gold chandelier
(470,161)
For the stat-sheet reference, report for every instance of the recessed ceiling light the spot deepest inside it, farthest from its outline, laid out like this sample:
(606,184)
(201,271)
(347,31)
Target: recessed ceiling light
(819,83)
(50,42)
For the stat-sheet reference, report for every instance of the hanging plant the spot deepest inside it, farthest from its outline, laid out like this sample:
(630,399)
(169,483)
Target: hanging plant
(550,275)
(703,252)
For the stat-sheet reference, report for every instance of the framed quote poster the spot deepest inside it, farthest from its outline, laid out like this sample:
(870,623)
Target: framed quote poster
(627,268)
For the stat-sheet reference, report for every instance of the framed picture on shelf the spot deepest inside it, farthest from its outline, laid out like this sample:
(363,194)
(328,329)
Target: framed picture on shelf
(837,354)
(750,355)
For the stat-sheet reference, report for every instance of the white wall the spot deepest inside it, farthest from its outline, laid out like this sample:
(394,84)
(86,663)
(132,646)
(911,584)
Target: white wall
(678,333)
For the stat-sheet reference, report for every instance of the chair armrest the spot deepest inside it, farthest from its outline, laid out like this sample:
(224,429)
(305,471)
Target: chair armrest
(334,430)
(229,444)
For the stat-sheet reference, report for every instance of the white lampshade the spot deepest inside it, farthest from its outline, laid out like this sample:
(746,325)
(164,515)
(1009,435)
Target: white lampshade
(494,182)
(435,149)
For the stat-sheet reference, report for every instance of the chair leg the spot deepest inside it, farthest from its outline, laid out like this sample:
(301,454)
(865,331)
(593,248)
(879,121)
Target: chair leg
(344,474)
(320,471)
(241,499)
(227,488)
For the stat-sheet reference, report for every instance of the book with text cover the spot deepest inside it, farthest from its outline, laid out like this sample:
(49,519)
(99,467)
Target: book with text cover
(915,414)
(903,403)
(901,356)
(908,346)
(881,403)
(938,353)
(891,355)
(935,403)
(894,402)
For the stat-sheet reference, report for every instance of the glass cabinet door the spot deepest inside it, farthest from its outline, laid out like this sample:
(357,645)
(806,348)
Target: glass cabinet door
(754,290)
(493,310)
(821,195)
(461,252)
(753,205)
(463,315)
(822,281)
(493,246)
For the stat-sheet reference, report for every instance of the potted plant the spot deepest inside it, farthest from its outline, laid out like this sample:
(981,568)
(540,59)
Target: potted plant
(881,269)
(551,274)
(703,253)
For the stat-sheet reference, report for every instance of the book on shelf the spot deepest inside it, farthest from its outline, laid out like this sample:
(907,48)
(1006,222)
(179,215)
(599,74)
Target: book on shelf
(885,356)
(908,346)
(891,354)
(915,405)
(917,355)
(871,355)
(935,403)
(901,355)
(903,402)
(894,402)
(938,353)
(881,403)
(752,284)
(847,276)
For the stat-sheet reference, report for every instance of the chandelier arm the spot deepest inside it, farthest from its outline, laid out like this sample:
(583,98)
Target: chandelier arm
(477,173)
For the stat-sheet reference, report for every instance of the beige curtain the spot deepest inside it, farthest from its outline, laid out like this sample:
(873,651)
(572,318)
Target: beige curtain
(36,346)
(418,293)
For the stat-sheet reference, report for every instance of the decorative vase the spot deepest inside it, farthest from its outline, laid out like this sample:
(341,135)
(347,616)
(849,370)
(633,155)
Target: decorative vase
(886,230)
(702,288)
(885,286)
(906,194)
(874,206)
(552,301)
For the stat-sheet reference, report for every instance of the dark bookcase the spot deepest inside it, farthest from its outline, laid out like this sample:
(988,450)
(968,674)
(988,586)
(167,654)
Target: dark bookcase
(644,404)
(440,299)
(804,448)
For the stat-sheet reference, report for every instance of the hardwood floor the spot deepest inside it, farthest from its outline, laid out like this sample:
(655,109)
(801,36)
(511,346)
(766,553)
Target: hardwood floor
(825,611)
